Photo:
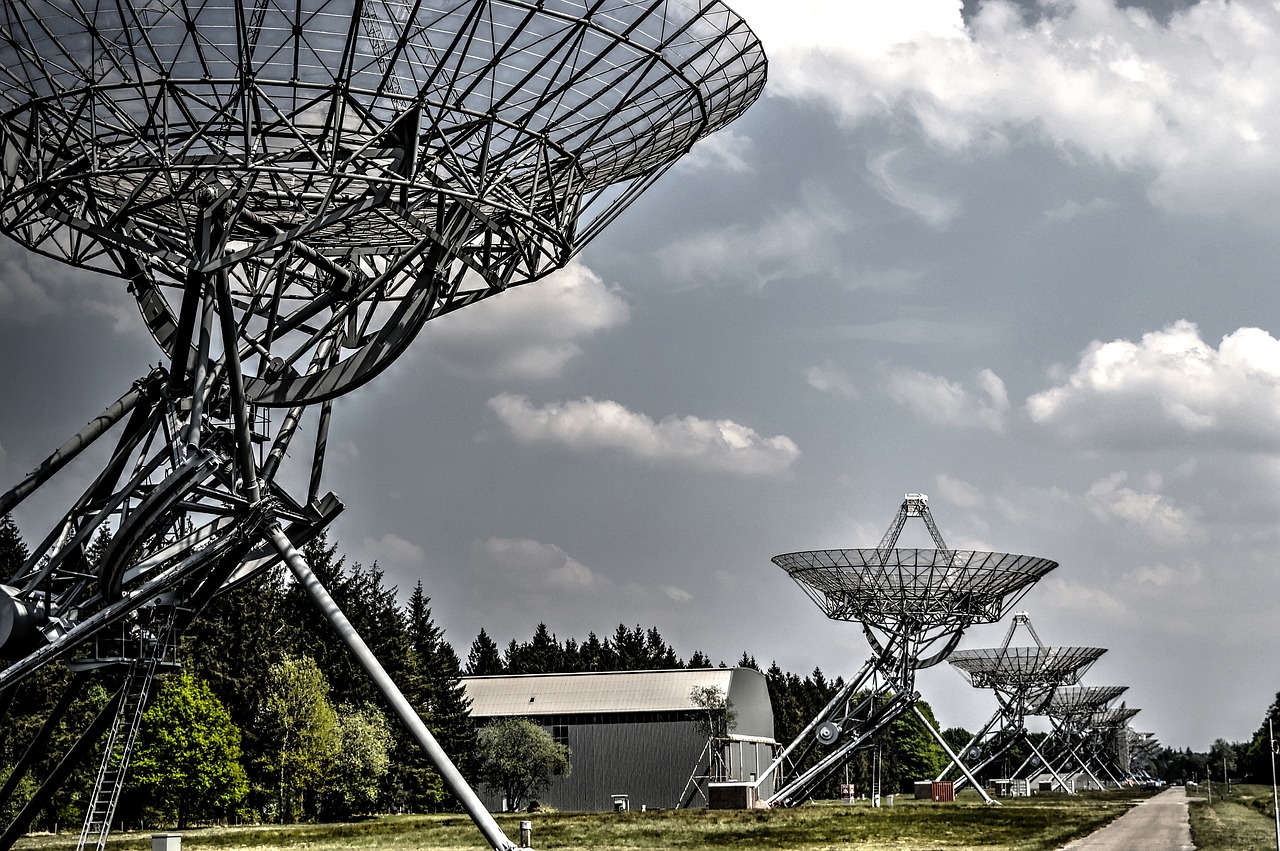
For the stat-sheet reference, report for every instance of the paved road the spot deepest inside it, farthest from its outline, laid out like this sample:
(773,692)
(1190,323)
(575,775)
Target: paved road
(1157,824)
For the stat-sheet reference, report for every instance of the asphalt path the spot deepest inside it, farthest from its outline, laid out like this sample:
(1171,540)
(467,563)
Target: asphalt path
(1159,823)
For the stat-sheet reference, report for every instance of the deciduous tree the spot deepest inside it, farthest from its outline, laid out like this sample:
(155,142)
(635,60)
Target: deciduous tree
(187,761)
(518,759)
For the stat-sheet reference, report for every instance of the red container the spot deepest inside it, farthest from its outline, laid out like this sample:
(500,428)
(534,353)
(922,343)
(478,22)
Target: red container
(944,790)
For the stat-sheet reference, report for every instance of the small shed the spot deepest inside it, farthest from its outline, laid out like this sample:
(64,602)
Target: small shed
(634,735)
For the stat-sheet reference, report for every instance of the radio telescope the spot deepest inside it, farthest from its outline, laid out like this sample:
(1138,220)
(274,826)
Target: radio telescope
(914,605)
(290,192)
(1070,711)
(1024,680)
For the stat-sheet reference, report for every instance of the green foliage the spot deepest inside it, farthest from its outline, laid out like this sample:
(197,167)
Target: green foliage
(355,767)
(716,718)
(187,761)
(302,731)
(484,658)
(518,759)
(13,551)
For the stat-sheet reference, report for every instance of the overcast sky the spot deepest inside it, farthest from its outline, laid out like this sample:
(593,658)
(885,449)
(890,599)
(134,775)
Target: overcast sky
(1021,258)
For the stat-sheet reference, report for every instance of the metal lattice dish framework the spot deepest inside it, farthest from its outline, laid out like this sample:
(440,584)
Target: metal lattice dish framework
(291,192)
(920,588)
(1027,675)
(368,165)
(1113,718)
(1077,701)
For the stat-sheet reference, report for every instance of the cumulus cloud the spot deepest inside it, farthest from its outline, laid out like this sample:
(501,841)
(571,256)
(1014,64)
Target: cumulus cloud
(1195,100)
(793,241)
(949,403)
(1072,209)
(530,332)
(531,565)
(588,425)
(724,150)
(21,298)
(1162,575)
(1169,388)
(676,595)
(1112,499)
(829,379)
(960,493)
(392,550)
(1082,598)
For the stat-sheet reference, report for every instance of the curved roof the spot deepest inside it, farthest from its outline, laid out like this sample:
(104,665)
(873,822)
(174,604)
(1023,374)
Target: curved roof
(619,692)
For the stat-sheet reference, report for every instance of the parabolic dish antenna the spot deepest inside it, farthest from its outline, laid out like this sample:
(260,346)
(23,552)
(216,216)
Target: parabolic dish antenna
(1024,680)
(914,606)
(291,191)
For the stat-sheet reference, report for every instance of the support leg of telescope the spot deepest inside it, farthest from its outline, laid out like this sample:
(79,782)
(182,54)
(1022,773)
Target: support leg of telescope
(449,773)
(1047,764)
(976,738)
(54,781)
(954,758)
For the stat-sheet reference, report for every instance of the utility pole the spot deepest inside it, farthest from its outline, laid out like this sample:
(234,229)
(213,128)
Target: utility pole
(1275,797)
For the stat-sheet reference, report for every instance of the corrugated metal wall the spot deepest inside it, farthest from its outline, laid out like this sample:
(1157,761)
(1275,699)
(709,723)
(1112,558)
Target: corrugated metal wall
(648,760)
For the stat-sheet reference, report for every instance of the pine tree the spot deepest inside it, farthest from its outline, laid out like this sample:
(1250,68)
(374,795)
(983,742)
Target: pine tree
(484,658)
(13,551)
(444,704)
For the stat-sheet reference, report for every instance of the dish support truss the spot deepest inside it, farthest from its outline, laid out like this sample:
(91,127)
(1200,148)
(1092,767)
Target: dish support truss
(1070,711)
(914,605)
(1107,743)
(1024,680)
(291,193)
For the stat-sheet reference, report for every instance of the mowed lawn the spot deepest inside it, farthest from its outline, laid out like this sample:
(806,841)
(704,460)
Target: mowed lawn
(1242,820)
(1041,823)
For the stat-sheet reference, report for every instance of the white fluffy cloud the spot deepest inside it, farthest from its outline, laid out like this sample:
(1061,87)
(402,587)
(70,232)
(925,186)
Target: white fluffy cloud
(392,551)
(531,565)
(1169,388)
(530,332)
(1112,498)
(829,379)
(949,403)
(588,425)
(1196,101)
(804,238)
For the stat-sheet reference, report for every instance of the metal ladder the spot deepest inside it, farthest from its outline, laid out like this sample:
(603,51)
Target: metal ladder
(877,766)
(118,749)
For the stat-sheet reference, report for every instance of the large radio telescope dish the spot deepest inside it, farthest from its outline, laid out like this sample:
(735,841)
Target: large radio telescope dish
(918,588)
(291,192)
(355,168)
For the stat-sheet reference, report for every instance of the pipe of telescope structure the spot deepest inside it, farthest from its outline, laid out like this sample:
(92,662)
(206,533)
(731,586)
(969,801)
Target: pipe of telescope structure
(80,441)
(449,773)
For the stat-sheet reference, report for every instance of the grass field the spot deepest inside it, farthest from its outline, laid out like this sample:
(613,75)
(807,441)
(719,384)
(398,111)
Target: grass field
(1237,821)
(1041,823)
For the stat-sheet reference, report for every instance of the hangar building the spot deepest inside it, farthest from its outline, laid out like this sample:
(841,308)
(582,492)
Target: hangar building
(634,734)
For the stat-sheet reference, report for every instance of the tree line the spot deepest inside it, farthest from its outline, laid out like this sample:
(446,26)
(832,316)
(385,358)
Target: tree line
(271,719)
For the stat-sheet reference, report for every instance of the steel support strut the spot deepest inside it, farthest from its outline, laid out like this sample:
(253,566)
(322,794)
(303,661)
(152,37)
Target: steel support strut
(449,773)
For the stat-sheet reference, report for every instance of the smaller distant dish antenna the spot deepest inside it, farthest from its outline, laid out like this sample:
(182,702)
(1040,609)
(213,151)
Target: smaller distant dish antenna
(1024,680)
(914,605)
